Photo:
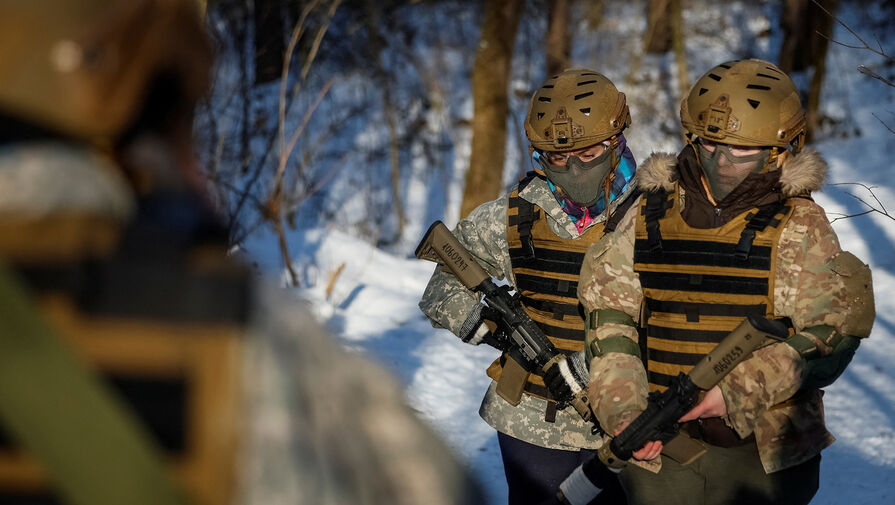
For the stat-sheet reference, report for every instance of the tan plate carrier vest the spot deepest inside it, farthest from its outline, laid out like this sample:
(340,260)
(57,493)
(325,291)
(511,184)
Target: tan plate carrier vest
(546,269)
(699,284)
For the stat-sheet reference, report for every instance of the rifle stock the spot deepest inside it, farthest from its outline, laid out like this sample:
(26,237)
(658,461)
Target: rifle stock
(442,247)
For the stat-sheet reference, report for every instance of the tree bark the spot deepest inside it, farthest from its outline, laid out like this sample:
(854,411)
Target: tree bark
(490,78)
(804,47)
(801,20)
(269,41)
(680,55)
(559,36)
(819,62)
(658,27)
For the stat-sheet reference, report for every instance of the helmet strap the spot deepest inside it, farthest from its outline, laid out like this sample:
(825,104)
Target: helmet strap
(772,159)
(615,159)
(798,143)
(538,170)
(607,189)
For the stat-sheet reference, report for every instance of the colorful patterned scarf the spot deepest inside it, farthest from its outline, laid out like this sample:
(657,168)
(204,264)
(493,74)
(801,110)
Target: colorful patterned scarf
(583,216)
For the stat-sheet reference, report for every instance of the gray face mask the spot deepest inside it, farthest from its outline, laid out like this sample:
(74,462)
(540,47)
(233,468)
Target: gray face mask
(580,180)
(724,171)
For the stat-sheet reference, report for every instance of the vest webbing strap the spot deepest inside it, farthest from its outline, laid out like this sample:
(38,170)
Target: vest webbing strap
(758,222)
(722,284)
(524,220)
(620,211)
(654,210)
(556,308)
(705,309)
(548,260)
(94,453)
(702,253)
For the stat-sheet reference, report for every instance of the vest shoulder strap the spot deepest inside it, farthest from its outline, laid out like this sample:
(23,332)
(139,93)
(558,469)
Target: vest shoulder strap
(620,211)
(654,210)
(527,214)
(757,222)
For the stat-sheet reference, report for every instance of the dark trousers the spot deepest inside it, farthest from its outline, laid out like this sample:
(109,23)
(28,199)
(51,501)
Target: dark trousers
(534,473)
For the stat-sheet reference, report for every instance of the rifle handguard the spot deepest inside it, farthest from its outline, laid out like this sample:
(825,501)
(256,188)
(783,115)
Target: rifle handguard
(664,409)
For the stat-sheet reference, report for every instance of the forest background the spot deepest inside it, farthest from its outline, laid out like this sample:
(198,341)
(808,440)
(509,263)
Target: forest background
(338,130)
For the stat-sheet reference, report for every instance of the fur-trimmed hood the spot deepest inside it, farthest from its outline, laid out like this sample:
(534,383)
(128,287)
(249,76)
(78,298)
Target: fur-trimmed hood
(800,173)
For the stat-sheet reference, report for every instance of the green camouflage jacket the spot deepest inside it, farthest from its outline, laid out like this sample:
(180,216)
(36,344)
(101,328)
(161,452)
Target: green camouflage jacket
(448,304)
(809,288)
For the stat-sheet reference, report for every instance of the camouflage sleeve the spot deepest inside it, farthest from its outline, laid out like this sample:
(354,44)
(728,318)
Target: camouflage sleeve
(812,291)
(446,302)
(618,387)
(772,375)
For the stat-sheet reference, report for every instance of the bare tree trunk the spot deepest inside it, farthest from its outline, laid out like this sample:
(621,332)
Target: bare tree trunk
(806,33)
(794,48)
(824,26)
(658,27)
(269,41)
(490,78)
(559,37)
(594,13)
(395,155)
(677,38)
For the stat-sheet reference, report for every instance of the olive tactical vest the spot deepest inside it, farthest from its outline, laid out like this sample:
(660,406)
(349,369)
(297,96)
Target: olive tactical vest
(546,269)
(698,284)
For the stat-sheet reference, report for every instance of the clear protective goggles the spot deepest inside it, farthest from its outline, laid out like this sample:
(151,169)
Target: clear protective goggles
(582,159)
(734,154)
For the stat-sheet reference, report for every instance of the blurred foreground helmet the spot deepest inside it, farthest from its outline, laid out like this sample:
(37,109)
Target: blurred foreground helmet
(84,68)
(575,109)
(747,103)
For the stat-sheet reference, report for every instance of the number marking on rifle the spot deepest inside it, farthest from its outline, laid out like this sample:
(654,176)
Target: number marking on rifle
(454,257)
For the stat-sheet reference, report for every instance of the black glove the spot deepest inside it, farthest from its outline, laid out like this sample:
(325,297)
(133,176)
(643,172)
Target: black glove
(566,377)
(481,327)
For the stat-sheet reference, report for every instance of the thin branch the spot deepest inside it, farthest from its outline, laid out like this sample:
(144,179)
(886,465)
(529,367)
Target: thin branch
(319,38)
(848,216)
(287,59)
(304,122)
(881,210)
(865,45)
(312,53)
(284,250)
(883,123)
(870,73)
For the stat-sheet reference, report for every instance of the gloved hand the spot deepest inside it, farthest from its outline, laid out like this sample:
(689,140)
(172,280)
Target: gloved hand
(566,377)
(481,327)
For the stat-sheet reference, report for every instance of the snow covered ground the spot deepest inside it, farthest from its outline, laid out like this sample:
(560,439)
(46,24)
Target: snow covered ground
(372,303)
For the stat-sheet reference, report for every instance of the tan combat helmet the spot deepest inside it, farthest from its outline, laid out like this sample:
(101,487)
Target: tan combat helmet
(746,102)
(84,68)
(575,109)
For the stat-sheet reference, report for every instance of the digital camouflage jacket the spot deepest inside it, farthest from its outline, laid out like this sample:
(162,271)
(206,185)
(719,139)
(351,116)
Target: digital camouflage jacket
(448,304)
(810,287)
